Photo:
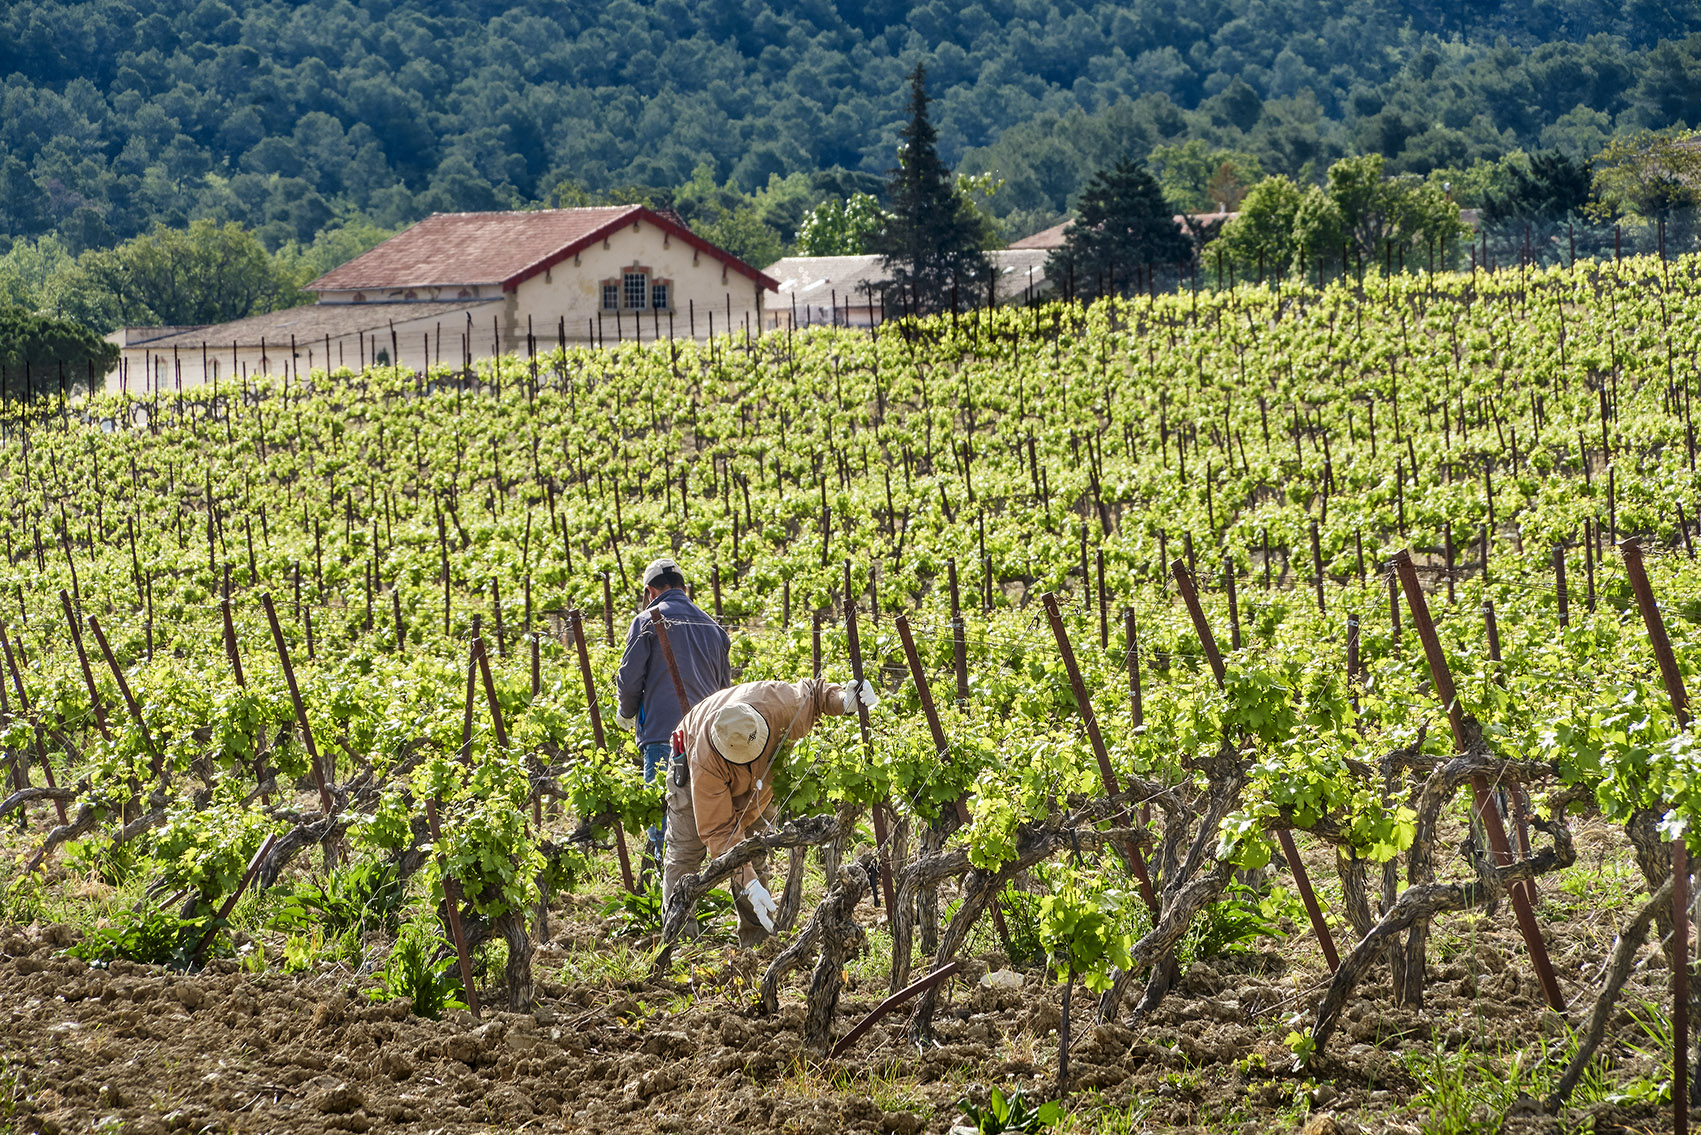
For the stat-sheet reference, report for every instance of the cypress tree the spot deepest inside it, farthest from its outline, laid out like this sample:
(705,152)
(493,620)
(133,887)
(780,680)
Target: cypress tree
(930,243)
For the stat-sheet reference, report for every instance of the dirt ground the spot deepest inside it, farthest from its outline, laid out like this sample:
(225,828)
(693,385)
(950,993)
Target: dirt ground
(145,1050)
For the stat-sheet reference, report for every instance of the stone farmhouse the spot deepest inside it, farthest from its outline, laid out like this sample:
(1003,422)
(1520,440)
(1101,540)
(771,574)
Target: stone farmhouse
(468,286)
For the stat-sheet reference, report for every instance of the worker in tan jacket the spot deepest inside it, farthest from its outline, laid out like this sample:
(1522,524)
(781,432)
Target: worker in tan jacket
(720,789)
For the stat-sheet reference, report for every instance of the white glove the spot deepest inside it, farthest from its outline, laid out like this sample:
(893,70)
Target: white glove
(865,694)
(762,903)
(628,723)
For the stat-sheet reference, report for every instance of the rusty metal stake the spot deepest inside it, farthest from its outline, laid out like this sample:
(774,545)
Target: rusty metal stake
(576,622)
(928,709)
(1136,861)
(452,902)
(892,1002)
(1313,910)
(931,712)
(1673,679)
(230,902)
(88,674)
(124,689)
(325,801)
(1485,806)
(24,709)
(879,808)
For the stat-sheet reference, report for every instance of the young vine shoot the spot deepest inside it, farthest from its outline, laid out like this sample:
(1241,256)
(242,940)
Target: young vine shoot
(337,618)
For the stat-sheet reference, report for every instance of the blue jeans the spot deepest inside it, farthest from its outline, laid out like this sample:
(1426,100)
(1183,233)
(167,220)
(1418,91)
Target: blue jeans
(656,756)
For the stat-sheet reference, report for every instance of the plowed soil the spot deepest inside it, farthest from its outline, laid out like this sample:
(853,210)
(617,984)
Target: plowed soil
(140,1049)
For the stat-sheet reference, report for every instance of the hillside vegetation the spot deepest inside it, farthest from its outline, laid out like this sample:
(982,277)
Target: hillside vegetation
(289,118)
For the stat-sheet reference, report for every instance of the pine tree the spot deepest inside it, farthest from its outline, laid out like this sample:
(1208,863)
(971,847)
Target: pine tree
(930,244)
(1123,227)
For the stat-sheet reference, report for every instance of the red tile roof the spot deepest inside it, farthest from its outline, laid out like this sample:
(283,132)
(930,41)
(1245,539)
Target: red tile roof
(454,249)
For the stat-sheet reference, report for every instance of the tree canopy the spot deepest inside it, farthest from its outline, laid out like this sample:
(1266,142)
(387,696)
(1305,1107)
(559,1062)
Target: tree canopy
(1123,227)
(290,118)
(930,242)
(36,350)
(1544,187)
(207,273)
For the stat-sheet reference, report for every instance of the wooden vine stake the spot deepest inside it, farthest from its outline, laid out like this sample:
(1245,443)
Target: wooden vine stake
(325,801)
(1136,861)
(1314,911)
(576,621)
(1673,679)
(1486,810)
(452,902)
(879,808)
(941,750)
(129,697)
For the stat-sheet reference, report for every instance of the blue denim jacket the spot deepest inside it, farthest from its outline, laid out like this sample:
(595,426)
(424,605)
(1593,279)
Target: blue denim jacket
(645,688)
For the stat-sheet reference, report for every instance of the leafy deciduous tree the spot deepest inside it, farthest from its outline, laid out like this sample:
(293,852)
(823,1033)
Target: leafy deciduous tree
(36,348)
(1357,215)
(207,273)
(1199,178)
(1262,235)
(1648,174)
(840,228)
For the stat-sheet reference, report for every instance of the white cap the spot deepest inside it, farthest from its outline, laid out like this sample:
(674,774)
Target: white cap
(739,733)
(657,567)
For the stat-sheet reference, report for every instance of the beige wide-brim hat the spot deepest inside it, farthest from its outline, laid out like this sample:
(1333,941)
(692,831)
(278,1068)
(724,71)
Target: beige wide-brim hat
(739,733)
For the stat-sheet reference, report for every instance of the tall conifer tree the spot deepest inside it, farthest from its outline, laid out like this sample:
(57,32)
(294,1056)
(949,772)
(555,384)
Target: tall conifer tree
(930,244)
(1123,226)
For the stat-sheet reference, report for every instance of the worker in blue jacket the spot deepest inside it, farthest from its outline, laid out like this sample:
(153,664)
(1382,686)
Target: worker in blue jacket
(649,704)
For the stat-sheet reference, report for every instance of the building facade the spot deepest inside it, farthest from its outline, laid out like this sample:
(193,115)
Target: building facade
(460,287)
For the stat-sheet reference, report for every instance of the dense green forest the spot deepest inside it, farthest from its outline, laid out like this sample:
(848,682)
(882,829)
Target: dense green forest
(294,119)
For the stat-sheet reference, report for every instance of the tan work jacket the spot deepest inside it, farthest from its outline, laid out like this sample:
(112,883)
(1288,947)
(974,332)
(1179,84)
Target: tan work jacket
(729,799)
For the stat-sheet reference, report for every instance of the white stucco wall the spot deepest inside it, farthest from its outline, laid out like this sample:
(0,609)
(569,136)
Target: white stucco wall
(701,285)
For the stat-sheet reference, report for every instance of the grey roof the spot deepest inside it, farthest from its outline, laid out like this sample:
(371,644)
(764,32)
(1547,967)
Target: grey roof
(1045,238)
(137,336)
(309,322)
(816,281)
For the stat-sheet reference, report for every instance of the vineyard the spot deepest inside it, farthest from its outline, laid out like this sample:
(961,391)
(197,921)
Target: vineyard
(1283,724)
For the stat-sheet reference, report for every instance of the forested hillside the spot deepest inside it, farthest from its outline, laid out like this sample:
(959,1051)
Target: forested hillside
(286,117)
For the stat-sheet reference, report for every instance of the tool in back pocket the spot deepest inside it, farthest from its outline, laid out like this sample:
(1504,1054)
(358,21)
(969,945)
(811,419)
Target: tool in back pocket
(681,767)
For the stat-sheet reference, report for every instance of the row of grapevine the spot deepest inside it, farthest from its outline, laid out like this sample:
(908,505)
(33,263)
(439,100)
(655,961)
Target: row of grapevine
(406,592)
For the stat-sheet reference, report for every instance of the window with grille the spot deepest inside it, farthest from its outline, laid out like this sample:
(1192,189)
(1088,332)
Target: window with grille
(658,295)
(635,290)
(610,296)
